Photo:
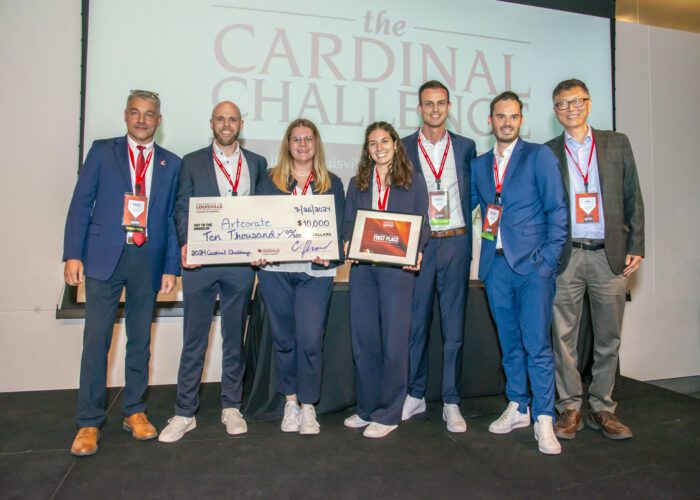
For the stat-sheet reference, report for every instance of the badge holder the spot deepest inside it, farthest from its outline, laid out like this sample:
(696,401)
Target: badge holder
(134,216)
(491,221)
(587,208)
(439,209)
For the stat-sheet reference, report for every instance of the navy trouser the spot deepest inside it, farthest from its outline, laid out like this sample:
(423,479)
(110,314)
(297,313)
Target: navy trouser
(522,308)
(445,269)
(133,272)
(200,287)
(297,307)
(380,323)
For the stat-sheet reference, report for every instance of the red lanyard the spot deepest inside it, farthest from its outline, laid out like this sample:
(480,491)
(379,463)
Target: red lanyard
(588,167)
(234,187)
(306,186)
(499,184)
(140,178)
(381,202)
(438,174)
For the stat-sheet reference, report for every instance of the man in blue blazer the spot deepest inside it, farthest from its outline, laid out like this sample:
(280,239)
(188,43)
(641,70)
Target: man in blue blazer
(99,250)
(221,169)
(444,159)
(519,189)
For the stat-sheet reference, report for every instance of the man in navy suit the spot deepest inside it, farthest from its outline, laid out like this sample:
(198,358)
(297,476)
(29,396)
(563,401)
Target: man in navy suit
(444,159)
(100,249)
(519,189)
(221,169)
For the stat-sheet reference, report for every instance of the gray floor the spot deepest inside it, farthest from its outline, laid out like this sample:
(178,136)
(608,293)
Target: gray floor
(419,460)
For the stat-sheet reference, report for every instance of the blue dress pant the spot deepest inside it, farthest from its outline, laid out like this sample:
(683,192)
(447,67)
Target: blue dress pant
(133,272)
(234,286)
(297,307)
(522,308)
(445,269)
(380,324)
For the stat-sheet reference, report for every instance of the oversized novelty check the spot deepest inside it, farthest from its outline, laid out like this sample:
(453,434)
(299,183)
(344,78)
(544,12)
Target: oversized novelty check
(237,229)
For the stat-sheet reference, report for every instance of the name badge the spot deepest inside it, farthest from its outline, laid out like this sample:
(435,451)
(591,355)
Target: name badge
(135,210)
(491,221)
(587,208)
(439,209)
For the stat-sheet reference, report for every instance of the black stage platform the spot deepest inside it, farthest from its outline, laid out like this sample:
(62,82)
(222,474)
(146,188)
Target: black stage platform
(418,460)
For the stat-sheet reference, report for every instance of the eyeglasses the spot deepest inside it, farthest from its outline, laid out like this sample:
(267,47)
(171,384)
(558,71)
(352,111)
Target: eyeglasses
(309,139)
(577,102)
(142,92)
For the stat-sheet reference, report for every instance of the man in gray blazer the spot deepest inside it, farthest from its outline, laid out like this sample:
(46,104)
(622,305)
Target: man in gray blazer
(221,169)
(605,245)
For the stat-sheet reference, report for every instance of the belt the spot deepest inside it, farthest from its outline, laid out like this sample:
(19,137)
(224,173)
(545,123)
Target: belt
(588,246)
(500,252)
(449,232)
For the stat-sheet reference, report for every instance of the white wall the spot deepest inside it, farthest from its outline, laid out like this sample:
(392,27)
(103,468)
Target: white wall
(658,105)
(40,99)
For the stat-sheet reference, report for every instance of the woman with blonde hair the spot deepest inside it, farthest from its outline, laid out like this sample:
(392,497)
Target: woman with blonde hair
(381,296)
(297,294)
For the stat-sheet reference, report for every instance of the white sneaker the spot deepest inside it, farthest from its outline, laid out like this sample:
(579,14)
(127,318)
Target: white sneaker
(292,413)
(233,420)
(355,422)
(544,434)
(308,423)
(510,419)
(176,428)
(412,406)
(455,420)
(377,430)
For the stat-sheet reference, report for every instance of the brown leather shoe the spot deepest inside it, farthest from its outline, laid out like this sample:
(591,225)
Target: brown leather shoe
(567,424)
(607,422)
(85,442)
(140,427)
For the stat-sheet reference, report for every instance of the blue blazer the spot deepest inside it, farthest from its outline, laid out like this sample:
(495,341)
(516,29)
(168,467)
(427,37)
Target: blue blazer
(534,222)
(464,151)
(198,178)
(94,231)
(267,187)
(413,200)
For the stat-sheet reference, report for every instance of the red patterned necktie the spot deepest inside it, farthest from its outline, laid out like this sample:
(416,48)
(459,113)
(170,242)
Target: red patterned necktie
(140,238)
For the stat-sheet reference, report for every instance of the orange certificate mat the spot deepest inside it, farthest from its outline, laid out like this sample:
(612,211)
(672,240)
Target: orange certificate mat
(389,238)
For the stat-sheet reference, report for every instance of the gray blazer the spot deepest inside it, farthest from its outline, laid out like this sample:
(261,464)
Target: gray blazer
(198,178)
(621,197)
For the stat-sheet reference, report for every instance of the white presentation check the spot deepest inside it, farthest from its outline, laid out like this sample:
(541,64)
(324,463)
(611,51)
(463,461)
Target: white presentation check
(240,229)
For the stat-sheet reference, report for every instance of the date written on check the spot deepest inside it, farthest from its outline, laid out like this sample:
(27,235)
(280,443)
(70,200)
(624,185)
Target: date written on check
(242,229)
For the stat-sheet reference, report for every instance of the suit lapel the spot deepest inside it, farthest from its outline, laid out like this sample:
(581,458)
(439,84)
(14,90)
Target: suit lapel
(601,153)
(490,181)
(121,151)
(513,164)
(560,153)
(413,152)
(159,165)
(210,168)
(458,153)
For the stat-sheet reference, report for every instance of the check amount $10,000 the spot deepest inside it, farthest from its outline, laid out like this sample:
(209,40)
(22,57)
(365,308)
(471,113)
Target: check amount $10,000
(242,229)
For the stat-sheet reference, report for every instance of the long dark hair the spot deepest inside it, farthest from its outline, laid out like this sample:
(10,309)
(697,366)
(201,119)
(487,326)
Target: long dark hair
(401,169)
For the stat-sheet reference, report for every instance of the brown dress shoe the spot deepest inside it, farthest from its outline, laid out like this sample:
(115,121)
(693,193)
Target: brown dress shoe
(85,442)
(607,422)
(140,427)
(567,424)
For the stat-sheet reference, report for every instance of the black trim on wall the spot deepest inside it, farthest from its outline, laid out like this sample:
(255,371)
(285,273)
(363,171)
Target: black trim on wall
(83,79)
(598,8)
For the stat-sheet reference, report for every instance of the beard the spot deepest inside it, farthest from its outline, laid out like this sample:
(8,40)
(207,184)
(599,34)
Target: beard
(222,141)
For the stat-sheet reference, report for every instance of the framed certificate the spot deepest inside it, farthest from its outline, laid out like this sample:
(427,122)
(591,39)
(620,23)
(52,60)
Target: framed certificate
(385,238)
(241,229)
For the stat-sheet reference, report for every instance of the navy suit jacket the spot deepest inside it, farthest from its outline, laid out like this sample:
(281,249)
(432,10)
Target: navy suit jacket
(413,200)
(198,178)
(534,222)
(464,151)
(267,187)
(94,232)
